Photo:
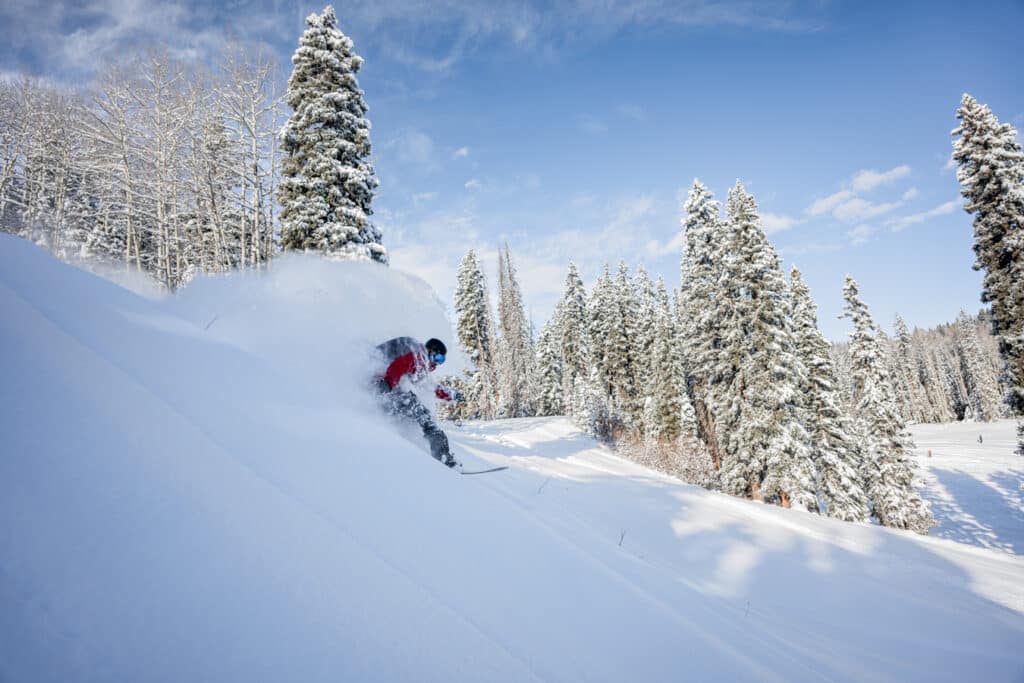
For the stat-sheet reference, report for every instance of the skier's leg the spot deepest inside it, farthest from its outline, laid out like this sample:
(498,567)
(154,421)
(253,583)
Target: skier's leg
(406,404)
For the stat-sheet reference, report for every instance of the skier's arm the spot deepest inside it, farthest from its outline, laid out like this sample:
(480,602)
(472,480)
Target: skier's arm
(446,394)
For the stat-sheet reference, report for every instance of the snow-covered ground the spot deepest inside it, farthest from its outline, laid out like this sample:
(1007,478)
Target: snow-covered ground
(199,489)
(975,489)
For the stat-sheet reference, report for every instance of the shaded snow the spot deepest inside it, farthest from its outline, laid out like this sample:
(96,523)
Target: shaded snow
(975,489)
(199,489)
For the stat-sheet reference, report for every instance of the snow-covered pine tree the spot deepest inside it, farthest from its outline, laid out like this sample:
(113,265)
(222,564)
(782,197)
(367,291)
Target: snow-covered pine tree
(700,306)
(982,395)
(327,180)
(474,328)
(991,174)
(620,351)
(644,323)
(889,470)
(766,454)
(571,332)
(664,406)
(837,460)
(602,419)
(514,358)
(549,370)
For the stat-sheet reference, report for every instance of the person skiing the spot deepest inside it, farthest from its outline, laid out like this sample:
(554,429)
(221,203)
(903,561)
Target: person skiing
(404,358)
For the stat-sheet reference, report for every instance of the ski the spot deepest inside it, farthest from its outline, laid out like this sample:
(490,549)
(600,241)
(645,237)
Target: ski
(493,469)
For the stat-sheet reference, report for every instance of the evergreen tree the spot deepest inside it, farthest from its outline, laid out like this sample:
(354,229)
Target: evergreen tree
(766,452)
(514,362)
(982,395)
(702,307)
(991,174)
(327,179)
(885,441)
(664,404)
(620,353)
(837,460)
(572,323)
(549,371)
(474,328)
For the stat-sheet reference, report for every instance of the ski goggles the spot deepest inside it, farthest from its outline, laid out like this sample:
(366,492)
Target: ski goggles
(437,358)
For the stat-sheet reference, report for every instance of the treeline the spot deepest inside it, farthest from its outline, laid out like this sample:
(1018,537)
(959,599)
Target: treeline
(164,167)
(727,381)
(951,372)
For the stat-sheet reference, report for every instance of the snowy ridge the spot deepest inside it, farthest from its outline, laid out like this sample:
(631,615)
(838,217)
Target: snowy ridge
(183,499)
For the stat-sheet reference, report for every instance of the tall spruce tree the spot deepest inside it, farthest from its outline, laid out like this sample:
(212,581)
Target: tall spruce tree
(549,370)
(889,471)
(515,356)
(982,394)
(991,174)
(571,333)
(835,454)
(702,307)
(475,331)
(327,181)
(766,454)
(662,418)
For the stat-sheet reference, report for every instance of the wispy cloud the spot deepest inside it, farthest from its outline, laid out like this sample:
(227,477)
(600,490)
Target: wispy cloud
(827,204)
(910,194)
(460,153)
(864,181)
(473,184)
(858,209)
(773,223)
(860,235)
(903,223)
(413,147)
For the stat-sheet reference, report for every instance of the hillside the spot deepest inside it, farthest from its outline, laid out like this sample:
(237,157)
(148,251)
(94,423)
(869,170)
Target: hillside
(199,489)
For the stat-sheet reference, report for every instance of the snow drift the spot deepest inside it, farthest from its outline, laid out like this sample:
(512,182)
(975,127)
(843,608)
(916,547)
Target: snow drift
(198,489)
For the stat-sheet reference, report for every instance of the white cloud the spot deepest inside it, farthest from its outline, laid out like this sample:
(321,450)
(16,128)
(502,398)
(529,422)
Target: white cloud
(949,165)
(826,204)
(413,147)
(870,179)
(421,197)
(461,153)
(774,223)
(858,209)
(903,223)
(860,235)
(912,193)
(473,184)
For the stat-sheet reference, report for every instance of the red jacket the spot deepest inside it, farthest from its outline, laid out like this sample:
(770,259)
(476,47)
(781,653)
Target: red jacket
(406,357)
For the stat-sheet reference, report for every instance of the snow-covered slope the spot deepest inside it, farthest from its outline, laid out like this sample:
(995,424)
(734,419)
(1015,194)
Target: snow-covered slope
(976,489)
(198,489)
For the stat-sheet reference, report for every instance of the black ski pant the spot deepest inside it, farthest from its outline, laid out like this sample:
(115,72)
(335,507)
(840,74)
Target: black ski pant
(405,404)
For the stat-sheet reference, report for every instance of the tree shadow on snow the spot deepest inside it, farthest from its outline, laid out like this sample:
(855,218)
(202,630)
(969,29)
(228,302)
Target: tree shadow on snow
(995,515)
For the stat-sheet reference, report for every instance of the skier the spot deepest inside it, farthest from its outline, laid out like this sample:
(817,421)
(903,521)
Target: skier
(405,358)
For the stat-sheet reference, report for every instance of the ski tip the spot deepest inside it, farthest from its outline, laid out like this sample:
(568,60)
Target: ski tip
(493,469)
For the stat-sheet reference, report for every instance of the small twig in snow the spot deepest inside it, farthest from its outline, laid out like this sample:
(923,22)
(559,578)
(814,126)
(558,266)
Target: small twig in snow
(212,321)
(747,613)
(544,484)
(622,537)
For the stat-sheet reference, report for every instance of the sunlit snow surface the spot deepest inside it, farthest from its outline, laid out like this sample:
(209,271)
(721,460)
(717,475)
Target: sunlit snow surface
(975,488)
(198,489)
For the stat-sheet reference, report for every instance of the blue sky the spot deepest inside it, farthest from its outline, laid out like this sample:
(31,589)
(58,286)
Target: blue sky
(573,130)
